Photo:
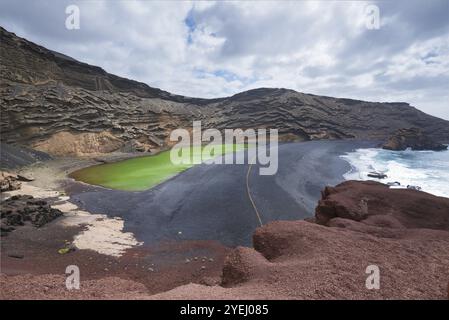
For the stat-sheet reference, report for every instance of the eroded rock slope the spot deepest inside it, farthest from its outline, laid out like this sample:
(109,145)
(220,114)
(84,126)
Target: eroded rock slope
(62,106)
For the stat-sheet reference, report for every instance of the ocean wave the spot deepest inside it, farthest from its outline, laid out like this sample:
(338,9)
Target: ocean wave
(427,169)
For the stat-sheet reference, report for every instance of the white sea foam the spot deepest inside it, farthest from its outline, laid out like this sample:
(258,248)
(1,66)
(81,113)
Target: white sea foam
(427,169)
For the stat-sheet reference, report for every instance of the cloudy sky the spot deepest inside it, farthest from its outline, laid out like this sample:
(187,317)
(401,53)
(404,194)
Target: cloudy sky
(214,49)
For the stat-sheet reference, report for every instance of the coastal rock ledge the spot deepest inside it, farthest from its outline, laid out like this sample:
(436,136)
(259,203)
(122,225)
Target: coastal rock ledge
(412,138)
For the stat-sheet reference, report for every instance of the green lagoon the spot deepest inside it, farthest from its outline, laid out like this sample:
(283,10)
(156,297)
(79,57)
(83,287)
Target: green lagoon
(142,173)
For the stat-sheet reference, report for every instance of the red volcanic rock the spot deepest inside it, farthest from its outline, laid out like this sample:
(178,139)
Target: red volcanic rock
(243,264)
(375,204)
(52,286)
(312,261)
(279,238)
(404,233)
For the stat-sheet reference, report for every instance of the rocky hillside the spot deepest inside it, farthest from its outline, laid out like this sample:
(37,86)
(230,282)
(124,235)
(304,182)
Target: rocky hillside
(412,138)
(62,106)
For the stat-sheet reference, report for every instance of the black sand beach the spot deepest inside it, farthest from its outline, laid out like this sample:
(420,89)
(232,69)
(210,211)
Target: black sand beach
(211,202)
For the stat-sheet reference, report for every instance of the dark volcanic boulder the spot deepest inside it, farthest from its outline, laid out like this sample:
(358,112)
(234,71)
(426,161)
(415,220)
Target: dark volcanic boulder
(17,210)
(412,138)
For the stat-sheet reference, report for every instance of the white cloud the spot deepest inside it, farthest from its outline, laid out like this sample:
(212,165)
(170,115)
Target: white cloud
(208,49)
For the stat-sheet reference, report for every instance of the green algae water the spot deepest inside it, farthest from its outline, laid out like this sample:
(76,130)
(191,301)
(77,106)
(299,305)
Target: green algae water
(142,173)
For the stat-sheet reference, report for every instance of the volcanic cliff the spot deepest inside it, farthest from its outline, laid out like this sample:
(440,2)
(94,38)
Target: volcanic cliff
(59,105)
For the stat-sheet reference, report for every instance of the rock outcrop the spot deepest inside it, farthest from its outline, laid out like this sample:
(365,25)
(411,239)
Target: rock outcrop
(412,138)
(9,182)
(404,233)
(374,203)
(45,95)
(18,210)
(67,143)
